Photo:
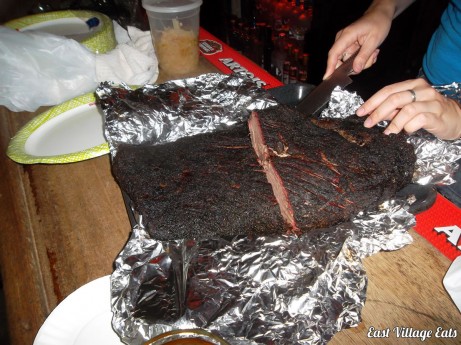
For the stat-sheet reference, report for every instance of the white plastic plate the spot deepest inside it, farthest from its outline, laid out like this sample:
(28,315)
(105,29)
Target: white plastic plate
(69,132)
(83,318)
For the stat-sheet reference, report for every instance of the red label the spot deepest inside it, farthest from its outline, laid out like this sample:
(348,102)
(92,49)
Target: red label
(228,61)
(441,225)
(210,47)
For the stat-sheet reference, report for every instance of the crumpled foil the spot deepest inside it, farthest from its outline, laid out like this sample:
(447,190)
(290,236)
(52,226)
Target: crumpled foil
(437,158)
(163,113)
(277,290)
(452,90)
(341,104)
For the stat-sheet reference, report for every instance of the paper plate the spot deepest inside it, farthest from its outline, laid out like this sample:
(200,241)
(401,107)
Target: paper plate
(99,38)
(69,132)
(83,318)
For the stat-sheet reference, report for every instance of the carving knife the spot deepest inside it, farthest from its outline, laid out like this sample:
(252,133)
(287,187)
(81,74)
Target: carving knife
(314,102)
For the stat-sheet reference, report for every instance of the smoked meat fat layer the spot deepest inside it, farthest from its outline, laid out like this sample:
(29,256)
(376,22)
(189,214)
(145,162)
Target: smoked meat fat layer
(295,174)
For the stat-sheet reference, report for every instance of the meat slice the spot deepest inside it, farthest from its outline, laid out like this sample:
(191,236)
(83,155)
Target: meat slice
(323,172)
(200,187)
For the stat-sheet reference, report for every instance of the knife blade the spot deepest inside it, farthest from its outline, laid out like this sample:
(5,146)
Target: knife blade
(314,102)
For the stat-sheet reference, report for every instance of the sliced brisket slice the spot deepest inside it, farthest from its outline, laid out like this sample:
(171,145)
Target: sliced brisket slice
(323,172)
(200,187)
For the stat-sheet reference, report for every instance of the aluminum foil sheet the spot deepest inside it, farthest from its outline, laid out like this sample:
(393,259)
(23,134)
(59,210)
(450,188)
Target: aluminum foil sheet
(452,90)
(342,103)
(166,112)
(265,290)
(437,158)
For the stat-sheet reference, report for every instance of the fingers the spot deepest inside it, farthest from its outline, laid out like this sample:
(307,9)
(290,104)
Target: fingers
(337,52)
(365,34)
(372,59)
(441,117)
(366,57)
(391,97)
(412,105)
(384,106)
(360,62)
(341,51)
(412,117)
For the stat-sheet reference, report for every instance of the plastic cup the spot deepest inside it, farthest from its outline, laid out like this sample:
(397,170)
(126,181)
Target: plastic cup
(174,25)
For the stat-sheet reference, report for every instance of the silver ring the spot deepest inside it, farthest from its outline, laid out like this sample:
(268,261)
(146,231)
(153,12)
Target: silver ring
(413,95)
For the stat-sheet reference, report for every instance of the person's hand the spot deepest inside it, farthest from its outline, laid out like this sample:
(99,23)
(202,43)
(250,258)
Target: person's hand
(366,34)
(411,105)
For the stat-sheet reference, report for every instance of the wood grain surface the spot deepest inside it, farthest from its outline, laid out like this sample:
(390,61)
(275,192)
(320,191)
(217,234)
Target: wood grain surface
(63,225)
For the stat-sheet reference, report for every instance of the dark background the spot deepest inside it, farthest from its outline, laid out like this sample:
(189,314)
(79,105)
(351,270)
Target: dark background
(400,55)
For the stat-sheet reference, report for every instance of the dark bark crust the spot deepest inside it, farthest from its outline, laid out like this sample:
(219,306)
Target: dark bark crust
(211,185)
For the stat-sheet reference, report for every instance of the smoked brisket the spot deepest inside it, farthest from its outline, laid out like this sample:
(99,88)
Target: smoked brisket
(200,187)
(325,171)
(300,174)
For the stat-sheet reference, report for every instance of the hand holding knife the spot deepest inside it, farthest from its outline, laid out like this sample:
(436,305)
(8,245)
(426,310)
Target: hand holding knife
(315,101)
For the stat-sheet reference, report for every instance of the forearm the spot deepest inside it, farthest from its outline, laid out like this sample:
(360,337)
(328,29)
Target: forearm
(389,8)
(365,35)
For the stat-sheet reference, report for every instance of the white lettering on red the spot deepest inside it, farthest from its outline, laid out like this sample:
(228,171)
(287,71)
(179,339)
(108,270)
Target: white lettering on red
(237,68)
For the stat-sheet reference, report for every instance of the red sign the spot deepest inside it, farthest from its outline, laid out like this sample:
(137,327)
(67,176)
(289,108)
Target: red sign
(441,225)
(228,61)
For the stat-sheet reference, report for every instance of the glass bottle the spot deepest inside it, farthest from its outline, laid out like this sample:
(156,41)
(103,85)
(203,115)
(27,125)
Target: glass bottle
(286,72)
(302,73)
(279,55)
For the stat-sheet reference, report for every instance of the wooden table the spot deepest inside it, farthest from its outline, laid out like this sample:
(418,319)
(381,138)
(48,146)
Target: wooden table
(63,225)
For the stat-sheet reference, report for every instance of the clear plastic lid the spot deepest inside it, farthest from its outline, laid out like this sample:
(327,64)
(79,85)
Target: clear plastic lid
(171,6)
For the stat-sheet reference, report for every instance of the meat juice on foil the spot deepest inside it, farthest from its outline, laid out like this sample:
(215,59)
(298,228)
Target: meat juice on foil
(262,290)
